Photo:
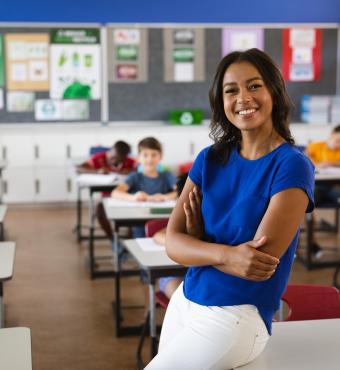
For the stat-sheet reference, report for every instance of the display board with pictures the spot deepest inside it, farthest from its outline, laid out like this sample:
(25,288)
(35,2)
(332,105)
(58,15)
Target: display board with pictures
(128,54)
(50,74)
(184,55)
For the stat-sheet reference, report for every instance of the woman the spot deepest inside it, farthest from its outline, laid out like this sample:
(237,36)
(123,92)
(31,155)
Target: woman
(256,187)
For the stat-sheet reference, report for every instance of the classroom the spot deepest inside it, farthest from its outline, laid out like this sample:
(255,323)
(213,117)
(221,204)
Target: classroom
(170,185)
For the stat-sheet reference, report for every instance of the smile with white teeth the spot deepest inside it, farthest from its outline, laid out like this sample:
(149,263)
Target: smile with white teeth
(246,111)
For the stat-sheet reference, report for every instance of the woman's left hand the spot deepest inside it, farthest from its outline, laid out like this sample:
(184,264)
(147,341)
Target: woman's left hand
(193,214)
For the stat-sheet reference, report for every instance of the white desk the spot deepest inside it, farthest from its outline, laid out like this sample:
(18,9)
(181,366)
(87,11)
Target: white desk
(301,345)
(156,265)
(15,349)
(7,254)
(94,183)
(126,216)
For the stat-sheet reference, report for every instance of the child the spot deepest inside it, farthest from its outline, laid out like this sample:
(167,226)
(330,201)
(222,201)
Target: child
(115,160)
(325,154)
(149,184)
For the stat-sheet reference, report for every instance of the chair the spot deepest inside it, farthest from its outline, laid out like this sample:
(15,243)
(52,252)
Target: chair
(311,302)
(98,149)
(151,227)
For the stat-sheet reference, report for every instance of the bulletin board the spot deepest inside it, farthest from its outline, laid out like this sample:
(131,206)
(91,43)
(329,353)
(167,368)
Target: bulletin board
(44,74)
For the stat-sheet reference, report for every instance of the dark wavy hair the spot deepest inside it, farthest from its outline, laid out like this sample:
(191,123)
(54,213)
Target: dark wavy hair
(224,134)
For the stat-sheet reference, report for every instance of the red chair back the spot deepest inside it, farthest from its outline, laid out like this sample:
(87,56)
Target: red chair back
(312,302)
(152,226)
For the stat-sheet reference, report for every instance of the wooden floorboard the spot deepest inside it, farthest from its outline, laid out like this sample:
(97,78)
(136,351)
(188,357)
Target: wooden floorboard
(70,316)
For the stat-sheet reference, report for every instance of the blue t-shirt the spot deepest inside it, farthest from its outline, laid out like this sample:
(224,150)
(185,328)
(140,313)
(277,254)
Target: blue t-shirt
(164,183)
(235,198)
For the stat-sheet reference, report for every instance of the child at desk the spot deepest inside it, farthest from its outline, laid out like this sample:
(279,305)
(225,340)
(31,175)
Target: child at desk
(149,184)
(114,160)
(325,154)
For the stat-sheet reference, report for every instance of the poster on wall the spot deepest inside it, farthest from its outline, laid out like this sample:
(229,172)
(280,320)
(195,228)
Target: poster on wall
(20,101)
(47,110)
(2,71)
(241,39)
(301,54)
(75,64)
(27,61)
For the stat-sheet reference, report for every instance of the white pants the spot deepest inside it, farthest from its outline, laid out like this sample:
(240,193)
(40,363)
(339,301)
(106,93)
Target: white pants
(196,337)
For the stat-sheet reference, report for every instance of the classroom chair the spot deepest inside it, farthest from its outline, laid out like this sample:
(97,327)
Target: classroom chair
(98,149)
(311,302)
(151,227)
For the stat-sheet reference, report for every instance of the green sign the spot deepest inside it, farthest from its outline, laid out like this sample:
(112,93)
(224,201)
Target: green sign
(75,36)
(183,55)
(2,74)
(127,52)
(186,117)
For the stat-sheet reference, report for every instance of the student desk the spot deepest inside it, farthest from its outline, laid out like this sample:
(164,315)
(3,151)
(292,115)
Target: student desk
(7,254)
(15,349)
(301,345)
(93,183)
(330,176)
(155,264)
(127,215)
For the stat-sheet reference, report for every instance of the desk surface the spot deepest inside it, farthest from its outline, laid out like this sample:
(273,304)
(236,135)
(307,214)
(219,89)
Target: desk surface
(118,213)
(149,260)
(7,254)
(15,349)
(96,179)
(301,345)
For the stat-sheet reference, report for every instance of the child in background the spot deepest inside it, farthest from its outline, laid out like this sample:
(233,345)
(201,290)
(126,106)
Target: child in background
(325,154)
(149,184)
(114,160)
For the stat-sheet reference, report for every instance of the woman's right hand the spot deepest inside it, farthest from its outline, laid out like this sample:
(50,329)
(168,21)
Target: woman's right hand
(193,214)
(245,261)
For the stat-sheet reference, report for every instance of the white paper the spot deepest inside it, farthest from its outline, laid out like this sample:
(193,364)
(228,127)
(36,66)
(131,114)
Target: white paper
(75,109)
(300,37)
(48,110)
(243,40)
(302,55)
(301,72)
(19,72)
(38,70)
(328,170)
(183,72)
(37,50)
(126,36)
(99,179)
(149,245)
(124,203)
(20,101)
(17,50)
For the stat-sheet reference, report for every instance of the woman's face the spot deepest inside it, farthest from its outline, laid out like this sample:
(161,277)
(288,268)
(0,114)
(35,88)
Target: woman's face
(247,101)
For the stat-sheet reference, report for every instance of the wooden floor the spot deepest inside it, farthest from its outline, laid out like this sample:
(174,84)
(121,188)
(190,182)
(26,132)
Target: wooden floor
(69,315)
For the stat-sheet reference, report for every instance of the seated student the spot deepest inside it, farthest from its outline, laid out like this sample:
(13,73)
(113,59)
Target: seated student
(325,154)
(169,284)
(149,184)
(114,160)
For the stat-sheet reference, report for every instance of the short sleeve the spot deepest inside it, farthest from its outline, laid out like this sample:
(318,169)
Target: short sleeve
(131,180)
(171,181)
(297,171)
(195,173)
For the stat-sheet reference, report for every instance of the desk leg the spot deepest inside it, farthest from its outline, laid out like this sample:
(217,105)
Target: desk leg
(116,267)
(153,327)
(309,226)
(91,236)
(2,311)
(79,209)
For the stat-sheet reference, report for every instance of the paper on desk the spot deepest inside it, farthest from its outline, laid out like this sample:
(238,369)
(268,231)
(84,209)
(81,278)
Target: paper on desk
(99,179)
(124,203)
(328,170)
(149,245)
